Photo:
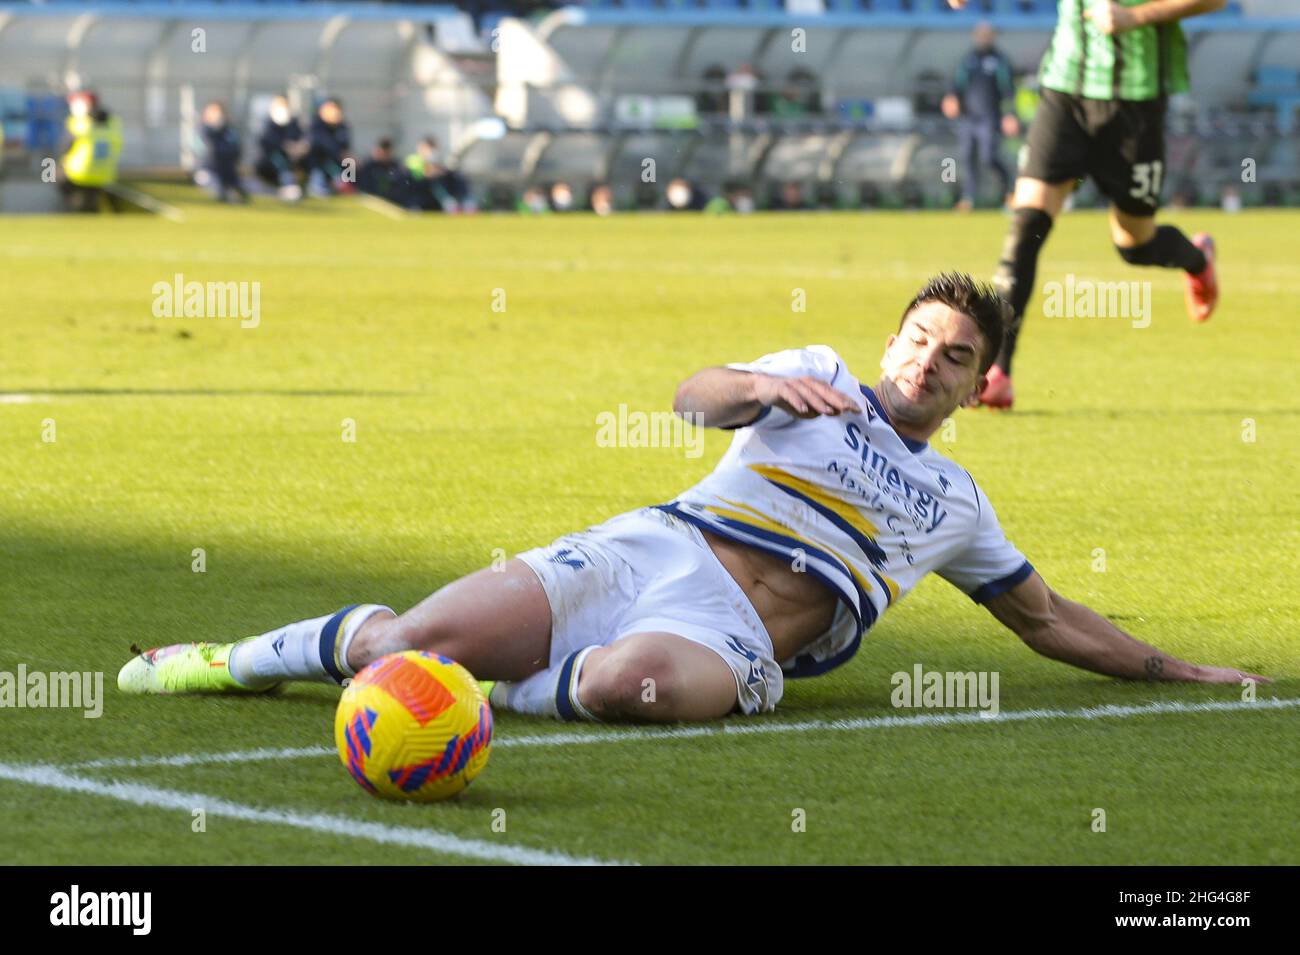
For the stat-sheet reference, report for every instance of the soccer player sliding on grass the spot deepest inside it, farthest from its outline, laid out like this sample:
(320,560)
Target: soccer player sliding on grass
(828,508)
(1105,79)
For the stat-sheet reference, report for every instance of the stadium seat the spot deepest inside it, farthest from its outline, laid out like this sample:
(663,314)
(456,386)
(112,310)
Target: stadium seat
(888,6)
(1278,87)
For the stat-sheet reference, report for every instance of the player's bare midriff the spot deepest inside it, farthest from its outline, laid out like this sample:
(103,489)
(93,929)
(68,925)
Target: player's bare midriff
(796,608)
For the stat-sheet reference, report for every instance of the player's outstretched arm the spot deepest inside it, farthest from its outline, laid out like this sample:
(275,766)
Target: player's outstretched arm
(1070,632)
(1112,18)
(728,398)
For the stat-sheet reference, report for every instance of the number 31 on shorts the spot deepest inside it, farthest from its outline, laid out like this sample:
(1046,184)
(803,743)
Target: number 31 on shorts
(1146,179)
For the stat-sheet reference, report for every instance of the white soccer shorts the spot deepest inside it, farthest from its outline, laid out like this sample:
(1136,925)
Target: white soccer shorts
(649,571)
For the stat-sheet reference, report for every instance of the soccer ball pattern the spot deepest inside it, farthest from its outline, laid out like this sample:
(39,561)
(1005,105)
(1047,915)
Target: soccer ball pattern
(414,726)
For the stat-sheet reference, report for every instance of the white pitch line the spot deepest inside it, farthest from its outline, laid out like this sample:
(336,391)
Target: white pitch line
(146,202)
(380,206)
(199,759)
(51,777)
(1109,711)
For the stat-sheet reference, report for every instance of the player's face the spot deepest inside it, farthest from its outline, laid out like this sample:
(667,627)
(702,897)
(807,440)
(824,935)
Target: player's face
(931,365)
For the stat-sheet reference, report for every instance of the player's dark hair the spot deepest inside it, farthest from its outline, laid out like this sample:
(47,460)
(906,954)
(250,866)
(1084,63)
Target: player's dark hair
(978,301)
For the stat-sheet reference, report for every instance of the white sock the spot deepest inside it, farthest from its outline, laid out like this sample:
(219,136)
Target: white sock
(552,692)
(314,650)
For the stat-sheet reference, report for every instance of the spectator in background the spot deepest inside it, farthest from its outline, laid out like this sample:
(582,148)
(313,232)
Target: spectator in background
(561,197)
(331,143)
(90,163)
(790,197)
(741,198)
(736,197)
(533,201)
(712,98)
(437,185)
(983,96)
(220,147)
(383,176)
(602,200)
(743,98)
(81,107)
(798,97)
(684,197)
(284,151)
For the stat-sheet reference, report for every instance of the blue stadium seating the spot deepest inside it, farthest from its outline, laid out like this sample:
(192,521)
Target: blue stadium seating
(893,7)
(1278,87)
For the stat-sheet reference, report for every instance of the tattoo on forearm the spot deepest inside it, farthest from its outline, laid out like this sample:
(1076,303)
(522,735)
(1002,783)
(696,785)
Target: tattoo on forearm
(1155,666)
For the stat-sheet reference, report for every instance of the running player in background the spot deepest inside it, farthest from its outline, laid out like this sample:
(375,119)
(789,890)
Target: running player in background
(1105,83)
(827,509)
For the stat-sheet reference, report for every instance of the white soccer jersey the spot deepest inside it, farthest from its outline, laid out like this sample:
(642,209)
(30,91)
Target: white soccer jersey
(848,499)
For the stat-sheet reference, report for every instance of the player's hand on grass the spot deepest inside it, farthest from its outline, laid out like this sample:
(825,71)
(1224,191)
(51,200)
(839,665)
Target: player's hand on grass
(804,397)
(1202,674)
(1111,18)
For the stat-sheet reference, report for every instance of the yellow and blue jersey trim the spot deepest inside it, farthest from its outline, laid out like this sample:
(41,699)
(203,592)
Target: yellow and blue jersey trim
(839,512)
(824,564)
(995,588)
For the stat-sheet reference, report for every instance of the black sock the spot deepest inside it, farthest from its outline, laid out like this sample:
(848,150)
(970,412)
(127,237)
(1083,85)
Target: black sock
(1169,249)
(1016,269)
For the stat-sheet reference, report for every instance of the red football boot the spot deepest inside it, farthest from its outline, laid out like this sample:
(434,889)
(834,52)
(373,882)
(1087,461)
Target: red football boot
(1201,292)
(997,392)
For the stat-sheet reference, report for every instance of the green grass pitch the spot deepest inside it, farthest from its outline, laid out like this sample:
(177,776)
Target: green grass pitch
(475,435)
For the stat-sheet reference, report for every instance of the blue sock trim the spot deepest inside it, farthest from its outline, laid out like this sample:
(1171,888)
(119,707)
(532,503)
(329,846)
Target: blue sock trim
(329,638)
(562,703)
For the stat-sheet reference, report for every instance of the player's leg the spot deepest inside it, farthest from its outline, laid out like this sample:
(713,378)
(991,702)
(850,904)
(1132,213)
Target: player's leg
(659,630)
(495,623)
(647,676)
(1139,241)
(995,162)
(968,158)
(498,624)
(1035,205)
(1054,156)
(656,677)
(1129,167)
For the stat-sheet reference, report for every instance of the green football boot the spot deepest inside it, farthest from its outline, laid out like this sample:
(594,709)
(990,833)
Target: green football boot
(183,668)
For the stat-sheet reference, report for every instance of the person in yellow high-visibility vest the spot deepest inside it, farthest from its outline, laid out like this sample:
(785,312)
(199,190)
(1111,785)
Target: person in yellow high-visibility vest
(90,163)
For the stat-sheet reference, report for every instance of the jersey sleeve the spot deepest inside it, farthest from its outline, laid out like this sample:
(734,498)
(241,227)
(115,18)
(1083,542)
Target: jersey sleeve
(815,361)
(989,565)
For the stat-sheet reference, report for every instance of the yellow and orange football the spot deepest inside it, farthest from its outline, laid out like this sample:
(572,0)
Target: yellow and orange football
(414,726)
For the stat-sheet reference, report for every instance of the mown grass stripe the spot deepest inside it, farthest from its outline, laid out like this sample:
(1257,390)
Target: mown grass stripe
(756,727)
(51,777)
